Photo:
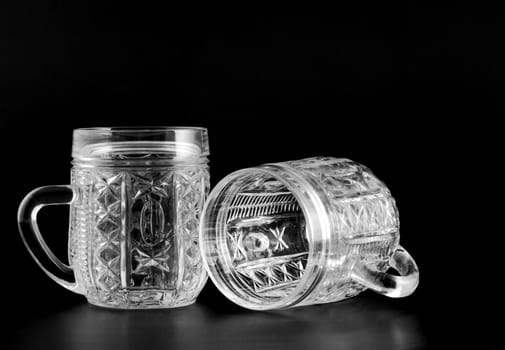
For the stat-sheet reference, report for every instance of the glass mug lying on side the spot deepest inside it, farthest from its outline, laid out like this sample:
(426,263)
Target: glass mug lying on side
(135,199)
(312,231)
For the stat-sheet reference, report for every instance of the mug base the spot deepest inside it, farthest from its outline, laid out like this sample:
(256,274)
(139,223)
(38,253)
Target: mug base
(141,307)
(146,300)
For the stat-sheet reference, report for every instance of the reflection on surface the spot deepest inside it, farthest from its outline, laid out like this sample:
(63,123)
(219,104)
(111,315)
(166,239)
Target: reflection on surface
(353,324)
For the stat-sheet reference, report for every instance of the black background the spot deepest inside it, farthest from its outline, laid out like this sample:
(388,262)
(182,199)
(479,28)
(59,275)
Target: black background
(413,91)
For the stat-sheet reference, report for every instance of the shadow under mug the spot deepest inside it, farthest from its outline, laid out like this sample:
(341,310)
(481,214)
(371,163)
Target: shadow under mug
(135,200)
(311,231)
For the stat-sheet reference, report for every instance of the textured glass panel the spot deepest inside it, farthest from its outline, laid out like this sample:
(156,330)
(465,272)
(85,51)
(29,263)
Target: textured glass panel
(135,238)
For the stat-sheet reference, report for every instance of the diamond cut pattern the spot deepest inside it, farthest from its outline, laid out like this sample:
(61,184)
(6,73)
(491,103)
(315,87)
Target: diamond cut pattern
(108,223)
(191,188)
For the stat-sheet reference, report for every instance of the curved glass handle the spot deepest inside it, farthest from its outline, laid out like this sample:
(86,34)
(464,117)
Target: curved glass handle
(27,223)
(387,284)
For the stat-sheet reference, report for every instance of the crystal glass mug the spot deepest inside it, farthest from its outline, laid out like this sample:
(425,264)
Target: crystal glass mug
(311,231)
(135,199)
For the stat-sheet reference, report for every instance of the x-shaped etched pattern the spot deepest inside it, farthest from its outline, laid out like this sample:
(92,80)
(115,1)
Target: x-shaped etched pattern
(362,204)
(107,231)
(191,187)
(239,252)
(152,260)
(151,233)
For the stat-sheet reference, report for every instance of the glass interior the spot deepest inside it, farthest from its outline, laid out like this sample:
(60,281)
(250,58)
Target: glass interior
(266,246)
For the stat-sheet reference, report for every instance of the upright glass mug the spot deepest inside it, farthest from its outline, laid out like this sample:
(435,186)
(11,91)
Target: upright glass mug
(135,199)
(311,231)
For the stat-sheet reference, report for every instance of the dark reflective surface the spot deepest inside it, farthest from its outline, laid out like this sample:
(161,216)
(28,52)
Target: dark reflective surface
(365,322)
(414,92)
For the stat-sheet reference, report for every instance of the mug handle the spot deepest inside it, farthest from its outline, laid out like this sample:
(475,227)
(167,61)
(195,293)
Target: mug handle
(27,224)
(388,284)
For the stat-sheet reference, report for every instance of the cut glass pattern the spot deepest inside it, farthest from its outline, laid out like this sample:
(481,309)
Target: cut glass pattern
(266,234)
(143,245)
(264,239)
(365,219)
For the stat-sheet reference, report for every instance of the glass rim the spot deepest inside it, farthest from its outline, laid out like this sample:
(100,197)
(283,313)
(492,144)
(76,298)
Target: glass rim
(140,144)
(141,128)
(318,234)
